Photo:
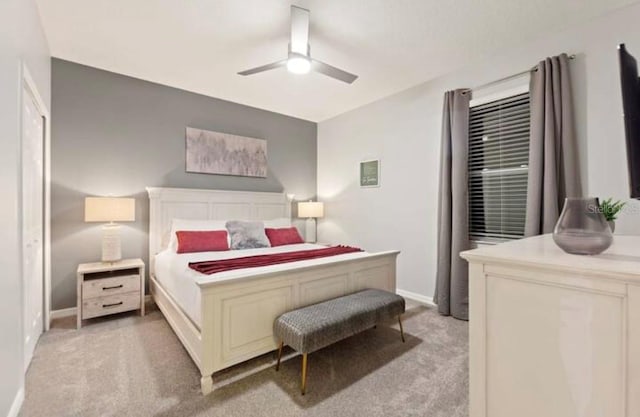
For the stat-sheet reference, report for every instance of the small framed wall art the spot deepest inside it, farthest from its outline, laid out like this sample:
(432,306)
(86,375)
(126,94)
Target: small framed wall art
(370,173)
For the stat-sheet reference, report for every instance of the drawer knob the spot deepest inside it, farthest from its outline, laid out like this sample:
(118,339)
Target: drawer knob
(111,305)
(112,288)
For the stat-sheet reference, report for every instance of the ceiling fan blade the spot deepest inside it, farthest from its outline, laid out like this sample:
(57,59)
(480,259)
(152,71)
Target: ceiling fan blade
(332,72)
(263,68)
(299,30)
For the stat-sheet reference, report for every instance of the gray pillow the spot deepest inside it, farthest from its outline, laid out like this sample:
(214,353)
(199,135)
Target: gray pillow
(247,235)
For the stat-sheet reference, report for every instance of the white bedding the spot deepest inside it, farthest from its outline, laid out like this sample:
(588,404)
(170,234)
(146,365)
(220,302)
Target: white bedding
(181,282)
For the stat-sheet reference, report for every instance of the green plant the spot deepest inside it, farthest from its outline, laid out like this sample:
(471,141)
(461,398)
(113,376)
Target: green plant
(610,208)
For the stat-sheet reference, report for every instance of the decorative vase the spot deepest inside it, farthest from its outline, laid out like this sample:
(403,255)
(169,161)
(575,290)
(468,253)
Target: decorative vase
(612,225)
(582,228)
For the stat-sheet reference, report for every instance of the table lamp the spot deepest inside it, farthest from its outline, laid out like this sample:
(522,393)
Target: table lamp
(110,209)
(311,210)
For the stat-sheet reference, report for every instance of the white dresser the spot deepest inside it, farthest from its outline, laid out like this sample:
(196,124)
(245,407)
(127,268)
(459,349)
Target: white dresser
(553,334)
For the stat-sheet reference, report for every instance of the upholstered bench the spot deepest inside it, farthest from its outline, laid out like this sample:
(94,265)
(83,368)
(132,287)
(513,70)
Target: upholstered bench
(311,328)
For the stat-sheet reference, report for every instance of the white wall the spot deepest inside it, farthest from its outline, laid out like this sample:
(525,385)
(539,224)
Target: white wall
(403,131)
(21,39)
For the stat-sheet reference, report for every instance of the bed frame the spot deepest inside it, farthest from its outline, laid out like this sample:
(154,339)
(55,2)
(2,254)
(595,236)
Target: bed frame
(238,314)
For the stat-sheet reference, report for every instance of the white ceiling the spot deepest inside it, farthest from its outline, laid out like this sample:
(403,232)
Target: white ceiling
(200,45)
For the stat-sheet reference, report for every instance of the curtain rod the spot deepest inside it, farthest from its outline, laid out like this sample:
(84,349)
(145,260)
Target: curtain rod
(507,78)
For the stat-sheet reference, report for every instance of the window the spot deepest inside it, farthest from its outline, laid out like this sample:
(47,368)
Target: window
(498,168)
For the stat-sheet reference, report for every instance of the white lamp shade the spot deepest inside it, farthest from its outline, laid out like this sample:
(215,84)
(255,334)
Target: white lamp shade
(109,209)
(311,209)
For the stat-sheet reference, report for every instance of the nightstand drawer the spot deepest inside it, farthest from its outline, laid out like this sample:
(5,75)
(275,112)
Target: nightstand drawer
(96,307)
(110,286)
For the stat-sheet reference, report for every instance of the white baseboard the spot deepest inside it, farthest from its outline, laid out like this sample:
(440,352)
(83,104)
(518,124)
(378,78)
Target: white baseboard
(65,312)
(71,311)
(422,299)
(17,403)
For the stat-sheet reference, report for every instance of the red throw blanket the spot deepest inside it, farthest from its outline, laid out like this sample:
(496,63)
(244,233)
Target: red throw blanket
(211,267)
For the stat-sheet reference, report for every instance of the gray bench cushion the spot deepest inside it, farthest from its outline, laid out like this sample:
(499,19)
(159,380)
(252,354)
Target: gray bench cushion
(316,326)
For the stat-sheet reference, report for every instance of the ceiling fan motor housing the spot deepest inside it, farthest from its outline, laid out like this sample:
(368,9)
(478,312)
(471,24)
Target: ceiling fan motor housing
(293,53)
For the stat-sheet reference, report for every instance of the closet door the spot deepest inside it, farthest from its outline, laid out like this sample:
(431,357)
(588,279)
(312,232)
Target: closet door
(32,222)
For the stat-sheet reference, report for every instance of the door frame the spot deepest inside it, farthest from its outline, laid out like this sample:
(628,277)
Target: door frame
(28,83)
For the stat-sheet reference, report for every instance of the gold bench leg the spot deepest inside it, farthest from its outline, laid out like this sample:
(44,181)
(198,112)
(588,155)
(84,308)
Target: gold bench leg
(304,373)
(401,331)
(279,356)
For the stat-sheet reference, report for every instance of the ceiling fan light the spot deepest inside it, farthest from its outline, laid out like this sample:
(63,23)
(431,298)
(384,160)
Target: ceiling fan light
(298,65)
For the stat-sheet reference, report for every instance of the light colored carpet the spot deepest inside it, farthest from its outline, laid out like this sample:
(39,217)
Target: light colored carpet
(135,366)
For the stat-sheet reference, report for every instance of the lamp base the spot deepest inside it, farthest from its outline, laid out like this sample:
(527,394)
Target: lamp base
(310,230)
(111,251)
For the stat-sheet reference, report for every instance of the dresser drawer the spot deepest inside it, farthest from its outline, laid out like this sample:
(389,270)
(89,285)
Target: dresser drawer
(110,286)
(96,307)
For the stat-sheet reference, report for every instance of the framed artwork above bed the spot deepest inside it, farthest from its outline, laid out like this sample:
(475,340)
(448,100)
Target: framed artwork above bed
(219,153)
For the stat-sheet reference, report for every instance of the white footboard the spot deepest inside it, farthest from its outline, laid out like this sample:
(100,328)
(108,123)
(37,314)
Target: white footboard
(238,315)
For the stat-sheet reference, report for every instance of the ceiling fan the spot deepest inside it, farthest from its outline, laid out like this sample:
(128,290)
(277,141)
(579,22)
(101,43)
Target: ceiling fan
(299,60)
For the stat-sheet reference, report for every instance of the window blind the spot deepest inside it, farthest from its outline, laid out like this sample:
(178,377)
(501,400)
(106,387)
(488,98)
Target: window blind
(498,168)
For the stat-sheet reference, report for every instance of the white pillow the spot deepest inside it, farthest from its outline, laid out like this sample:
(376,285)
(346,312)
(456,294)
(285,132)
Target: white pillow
(277,223)
(184,224)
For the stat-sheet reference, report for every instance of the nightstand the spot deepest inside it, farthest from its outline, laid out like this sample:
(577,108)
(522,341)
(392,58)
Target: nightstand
(110,287)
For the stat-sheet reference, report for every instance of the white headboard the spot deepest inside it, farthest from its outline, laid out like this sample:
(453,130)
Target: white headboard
(166,204)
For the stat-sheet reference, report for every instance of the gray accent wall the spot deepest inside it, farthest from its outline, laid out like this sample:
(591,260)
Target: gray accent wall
(116,135)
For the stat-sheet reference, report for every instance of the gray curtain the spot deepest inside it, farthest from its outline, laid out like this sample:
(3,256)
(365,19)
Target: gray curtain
(553,162)
(452,288)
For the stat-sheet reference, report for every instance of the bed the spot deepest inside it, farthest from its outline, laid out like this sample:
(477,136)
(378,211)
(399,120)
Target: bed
(227,318)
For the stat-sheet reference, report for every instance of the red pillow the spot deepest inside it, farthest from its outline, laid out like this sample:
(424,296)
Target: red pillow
(284,236)
(202,241)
